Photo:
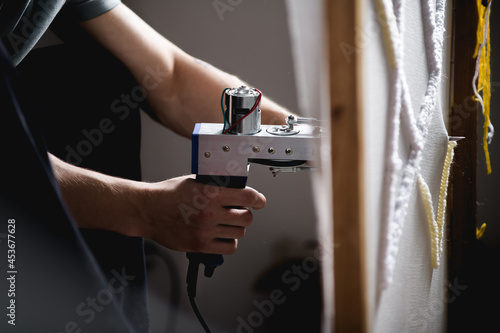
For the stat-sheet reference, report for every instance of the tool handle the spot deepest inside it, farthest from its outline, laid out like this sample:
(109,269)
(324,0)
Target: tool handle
(211,261)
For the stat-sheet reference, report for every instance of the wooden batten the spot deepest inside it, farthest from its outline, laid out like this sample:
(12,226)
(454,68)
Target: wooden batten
(346,155)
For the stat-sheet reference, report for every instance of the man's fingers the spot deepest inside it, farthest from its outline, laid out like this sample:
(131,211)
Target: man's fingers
(220,216)
(230,232)
(224,246)
(235,216)
(247,197)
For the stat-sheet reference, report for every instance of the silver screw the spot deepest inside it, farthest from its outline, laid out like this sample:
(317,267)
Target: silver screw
(226,148)
(271,150)
(255,149)
(207,154)
(288,151)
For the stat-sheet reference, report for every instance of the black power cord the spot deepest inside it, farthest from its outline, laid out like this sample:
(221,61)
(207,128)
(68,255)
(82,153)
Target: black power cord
(211,261)
(198,315)
(191,280)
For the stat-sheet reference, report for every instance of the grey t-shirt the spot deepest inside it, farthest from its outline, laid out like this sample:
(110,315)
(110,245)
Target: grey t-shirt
(23,22)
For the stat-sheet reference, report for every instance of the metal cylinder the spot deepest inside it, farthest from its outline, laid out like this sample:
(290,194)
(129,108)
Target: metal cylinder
(239,102)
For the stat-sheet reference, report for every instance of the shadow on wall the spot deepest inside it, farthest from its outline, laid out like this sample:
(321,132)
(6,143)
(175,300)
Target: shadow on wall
(288,295)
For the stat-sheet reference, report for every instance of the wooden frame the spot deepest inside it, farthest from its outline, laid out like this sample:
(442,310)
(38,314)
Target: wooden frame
(347,176)
(346,143)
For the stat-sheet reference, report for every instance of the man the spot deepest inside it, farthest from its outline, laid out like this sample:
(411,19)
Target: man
(107,207)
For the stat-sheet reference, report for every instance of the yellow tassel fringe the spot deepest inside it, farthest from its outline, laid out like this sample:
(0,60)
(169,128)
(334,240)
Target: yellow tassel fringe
(483,76)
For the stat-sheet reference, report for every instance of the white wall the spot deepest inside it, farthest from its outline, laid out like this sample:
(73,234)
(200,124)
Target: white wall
(252,42)
(416,300)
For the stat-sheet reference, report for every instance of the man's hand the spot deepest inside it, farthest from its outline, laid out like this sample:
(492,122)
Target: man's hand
(187,216)
(178,213)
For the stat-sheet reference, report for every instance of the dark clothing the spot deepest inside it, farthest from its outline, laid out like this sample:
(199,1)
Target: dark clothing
(56,281)
(87,115)
(23,22)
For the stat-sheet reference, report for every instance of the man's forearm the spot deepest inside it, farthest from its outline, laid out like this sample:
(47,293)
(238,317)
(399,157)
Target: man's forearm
(181,89)
(168,212)
(98,201)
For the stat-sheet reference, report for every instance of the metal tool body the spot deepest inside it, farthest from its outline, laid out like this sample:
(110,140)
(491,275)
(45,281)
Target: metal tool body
(222,153)
(215,153)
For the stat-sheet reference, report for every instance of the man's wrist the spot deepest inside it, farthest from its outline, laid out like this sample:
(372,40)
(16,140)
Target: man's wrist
(136,197)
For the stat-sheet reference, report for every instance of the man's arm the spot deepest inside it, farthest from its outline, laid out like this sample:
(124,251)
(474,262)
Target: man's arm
(169,76)
(178,213)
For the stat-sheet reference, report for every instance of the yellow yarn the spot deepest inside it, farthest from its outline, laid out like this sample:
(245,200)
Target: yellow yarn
(483,80)
(480,231)
(436,226)
(433,228)
(385,21)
